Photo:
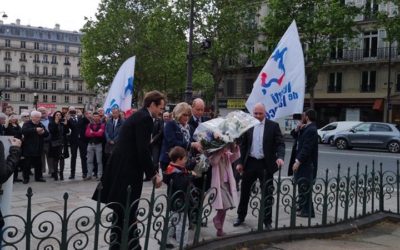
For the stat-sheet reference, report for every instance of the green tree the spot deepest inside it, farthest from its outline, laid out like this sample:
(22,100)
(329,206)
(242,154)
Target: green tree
(322,25)
(230,25)
(123,28)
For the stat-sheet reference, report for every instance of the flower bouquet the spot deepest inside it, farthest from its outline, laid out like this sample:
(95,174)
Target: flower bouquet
(217,133)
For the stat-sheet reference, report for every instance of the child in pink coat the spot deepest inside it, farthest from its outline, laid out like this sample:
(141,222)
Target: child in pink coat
(223,180)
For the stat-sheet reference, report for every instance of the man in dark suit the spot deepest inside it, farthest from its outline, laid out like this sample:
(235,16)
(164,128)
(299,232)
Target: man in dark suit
(305,165)
(131,158)
(262,153)
(77,140)
(197,115)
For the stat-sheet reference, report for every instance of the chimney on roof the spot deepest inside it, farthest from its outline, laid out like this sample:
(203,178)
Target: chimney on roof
(57,27)
(18,21)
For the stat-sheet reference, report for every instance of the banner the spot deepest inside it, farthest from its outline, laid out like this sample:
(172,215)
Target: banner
(281,83)
(121,90)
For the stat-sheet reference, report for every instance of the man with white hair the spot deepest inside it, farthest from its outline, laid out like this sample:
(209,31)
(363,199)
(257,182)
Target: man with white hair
(197,114)
(34,133)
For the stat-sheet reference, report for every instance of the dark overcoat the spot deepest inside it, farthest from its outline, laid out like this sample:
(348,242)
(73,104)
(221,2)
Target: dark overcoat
(130,159)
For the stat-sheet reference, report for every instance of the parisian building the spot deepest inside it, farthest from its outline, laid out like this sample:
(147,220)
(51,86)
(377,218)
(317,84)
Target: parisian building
(353,84)
(41,67)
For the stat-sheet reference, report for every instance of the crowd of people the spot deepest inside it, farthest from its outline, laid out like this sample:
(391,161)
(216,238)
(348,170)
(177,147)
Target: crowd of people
(159,146)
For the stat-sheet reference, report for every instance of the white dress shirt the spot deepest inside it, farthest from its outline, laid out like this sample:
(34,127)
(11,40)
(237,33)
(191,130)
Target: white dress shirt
(256,149)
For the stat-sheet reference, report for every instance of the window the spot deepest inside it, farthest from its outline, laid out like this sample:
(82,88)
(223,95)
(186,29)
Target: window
(23,57)
(66,86)
(370,44)
(23,44)
(80,99)
(380,128)
(8,56)
(54,60)
(248,86)
(36,84)
(45,59)
(45,46)
(363,127)
(329,127)
(66,61)
(7,83)
(22,97)
(53,98)
(66,49)
(371,9)
(6,96)
(66,72)
(335,82)
(66,99)
(44,98)
(44,85)
(8,43)
(22,83)
(54,47)
(45,71)
(368,81)
(8,68)
(398,83)
(53,85)
(36,46)
(53,71)
(36,58)
(23,69)
(230,86)
(36,70)
(79,86)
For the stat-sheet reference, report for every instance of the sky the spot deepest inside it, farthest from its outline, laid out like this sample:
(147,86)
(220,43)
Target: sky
(47,13)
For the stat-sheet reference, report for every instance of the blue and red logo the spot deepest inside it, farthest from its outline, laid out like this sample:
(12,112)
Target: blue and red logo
(278,58)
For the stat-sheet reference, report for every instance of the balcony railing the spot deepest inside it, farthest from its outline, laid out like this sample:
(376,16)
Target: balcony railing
(365,55)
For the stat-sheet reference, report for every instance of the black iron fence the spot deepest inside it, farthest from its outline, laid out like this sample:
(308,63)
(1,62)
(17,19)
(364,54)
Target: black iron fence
(353,193)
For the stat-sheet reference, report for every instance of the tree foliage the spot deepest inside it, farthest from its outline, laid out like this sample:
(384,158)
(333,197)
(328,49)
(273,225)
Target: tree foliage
(147,29)
(320,23)
(389,18)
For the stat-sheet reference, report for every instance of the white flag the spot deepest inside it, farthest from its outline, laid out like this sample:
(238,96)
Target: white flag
(121,90)
(281,83)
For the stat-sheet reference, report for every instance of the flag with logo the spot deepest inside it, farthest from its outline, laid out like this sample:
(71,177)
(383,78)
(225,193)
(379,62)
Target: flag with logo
(121,90)
(281,83)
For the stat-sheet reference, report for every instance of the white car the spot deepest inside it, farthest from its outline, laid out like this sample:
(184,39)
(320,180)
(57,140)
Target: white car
(327,133)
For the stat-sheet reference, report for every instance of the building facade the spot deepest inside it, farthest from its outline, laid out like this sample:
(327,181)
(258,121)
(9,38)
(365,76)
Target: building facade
(353,84)
(41,67)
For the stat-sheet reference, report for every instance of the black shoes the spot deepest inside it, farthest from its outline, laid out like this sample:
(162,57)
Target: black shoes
(267,226)
(40,180)
(305,215)
(71,177)
(25,181)
(238,222)
(17,180)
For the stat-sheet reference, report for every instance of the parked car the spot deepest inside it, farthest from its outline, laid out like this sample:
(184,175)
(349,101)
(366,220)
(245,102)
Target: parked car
(327,133)
(370,135)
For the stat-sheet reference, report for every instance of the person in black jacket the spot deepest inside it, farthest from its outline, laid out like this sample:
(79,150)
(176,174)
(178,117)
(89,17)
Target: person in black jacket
(131,158)
(34,133)
(262,152)
(305,165)
(178,178)
(13,129)
(58,133)
(7,166)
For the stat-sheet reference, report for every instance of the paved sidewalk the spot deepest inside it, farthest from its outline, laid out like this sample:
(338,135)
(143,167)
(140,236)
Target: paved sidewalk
(49,196)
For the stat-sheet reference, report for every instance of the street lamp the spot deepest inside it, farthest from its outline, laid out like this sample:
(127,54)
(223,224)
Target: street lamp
(189,87)
(4,16)
(35,100)
(388,104)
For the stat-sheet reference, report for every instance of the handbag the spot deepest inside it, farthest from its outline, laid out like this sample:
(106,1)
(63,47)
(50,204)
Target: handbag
(57,143)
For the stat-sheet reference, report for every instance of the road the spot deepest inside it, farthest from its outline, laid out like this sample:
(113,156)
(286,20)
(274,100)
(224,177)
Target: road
(329,157)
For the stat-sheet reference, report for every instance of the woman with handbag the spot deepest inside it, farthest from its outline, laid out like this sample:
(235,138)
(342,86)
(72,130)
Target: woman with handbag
(58,131)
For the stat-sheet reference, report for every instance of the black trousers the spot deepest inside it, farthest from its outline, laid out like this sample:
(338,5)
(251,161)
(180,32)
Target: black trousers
(254,170)
(36,163)
(118,219)
(82,146)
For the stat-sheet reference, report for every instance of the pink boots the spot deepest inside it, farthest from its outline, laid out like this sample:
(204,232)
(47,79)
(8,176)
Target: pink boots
(219,222)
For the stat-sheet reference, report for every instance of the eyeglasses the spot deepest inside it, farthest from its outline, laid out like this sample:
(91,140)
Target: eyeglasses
(258,113)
